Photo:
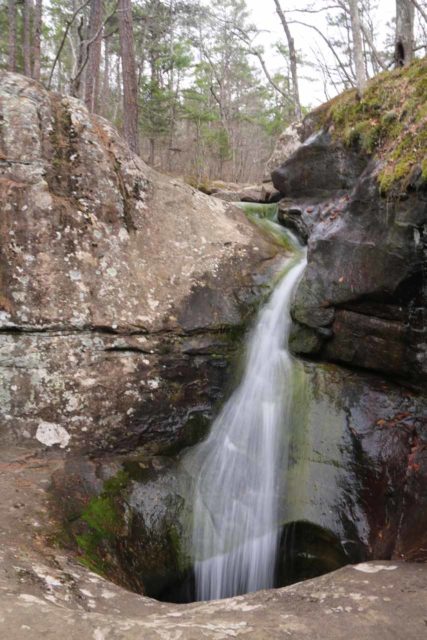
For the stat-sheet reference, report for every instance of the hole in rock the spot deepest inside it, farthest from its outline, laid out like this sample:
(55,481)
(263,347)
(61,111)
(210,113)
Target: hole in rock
(131,534)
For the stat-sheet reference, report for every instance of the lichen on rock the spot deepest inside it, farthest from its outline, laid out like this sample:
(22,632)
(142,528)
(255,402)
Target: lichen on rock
(100,260)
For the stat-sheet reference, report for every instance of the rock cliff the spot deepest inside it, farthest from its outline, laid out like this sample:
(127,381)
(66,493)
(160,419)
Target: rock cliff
(120,289)
(358,188)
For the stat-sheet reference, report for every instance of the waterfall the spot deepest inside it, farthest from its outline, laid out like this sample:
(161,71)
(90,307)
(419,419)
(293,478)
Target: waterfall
(241,464)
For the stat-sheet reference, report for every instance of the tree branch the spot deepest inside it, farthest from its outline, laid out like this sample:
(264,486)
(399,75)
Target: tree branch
(64,37)
(378,57)
(418,6)
(311,26)
(242,35)
(329,8)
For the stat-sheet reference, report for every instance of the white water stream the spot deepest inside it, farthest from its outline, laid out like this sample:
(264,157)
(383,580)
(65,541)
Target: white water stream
(236,529)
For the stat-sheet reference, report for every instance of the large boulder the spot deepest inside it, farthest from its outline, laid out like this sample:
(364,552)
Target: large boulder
(318,167)
(120,289)
(362,300)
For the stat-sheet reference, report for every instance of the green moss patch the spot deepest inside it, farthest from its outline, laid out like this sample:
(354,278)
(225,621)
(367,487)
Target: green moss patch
(265,217)
(389,122)
(103,521)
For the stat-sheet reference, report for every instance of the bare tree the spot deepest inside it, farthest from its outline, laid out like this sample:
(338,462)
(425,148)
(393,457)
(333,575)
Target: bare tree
(404,41)
(94,55)
(292,58)
(37,27)
(130,87)
(12,35)
(356,31)
(68,25)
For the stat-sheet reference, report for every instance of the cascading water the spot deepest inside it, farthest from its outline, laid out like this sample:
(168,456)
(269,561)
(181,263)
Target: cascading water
(236,528)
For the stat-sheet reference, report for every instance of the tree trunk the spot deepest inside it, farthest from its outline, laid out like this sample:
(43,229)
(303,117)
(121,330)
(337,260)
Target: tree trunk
(27,36)
(106,79)
(130,88)
(404,43)
(37,39)
(292,59)
(357,46)
(94,55)
(76,88)
(12,35)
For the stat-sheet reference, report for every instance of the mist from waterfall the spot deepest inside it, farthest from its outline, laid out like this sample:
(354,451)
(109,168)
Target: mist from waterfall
(236,529)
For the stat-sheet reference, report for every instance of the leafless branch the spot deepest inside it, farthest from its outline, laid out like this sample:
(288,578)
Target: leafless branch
(243,36)
(311,26)
(328,8)
(378,57)
(64,37)
(420,8)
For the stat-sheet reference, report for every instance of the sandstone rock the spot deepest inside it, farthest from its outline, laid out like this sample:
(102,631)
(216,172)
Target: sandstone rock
(270,193)
(287,143)
(215,186)
(254,194)
(358,463)
(227,196)
(101,259)
(291,216)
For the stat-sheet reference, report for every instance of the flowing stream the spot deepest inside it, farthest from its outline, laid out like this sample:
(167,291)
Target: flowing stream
(241,464)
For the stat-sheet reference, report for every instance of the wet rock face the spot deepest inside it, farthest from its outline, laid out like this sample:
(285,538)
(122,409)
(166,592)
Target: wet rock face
(362,300)
(128,519)
(100,260)
(354,490)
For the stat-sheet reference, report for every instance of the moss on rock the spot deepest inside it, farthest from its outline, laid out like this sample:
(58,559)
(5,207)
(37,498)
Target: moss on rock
(389,122)
(103,522)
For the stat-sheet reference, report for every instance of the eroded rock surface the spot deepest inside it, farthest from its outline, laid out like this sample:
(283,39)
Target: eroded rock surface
(365,282)
(43,592)
(120,289)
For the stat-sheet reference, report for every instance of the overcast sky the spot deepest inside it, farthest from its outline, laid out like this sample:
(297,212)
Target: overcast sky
(263,14)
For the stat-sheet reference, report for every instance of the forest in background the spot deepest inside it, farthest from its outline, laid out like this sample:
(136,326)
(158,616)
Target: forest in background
(187,81)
